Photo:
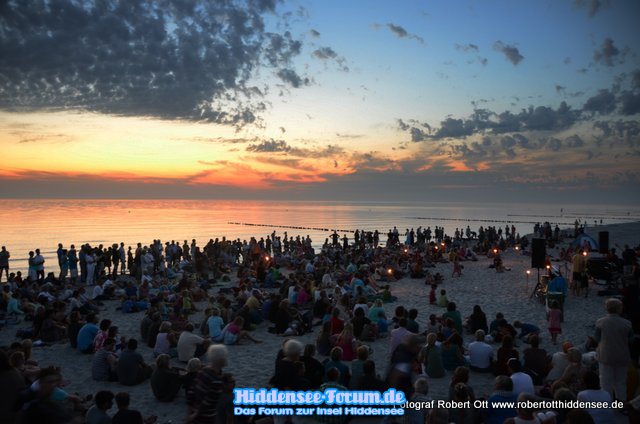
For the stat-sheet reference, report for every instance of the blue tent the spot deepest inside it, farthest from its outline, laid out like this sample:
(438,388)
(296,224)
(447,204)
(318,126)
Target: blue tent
(584,239)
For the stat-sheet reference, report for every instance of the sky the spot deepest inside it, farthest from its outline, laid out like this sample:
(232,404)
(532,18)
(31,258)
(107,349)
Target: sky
(529,101)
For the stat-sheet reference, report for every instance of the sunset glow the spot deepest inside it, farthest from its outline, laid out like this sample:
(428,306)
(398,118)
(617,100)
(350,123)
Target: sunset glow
(420,96)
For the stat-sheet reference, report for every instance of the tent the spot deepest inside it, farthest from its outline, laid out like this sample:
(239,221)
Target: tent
(584,240)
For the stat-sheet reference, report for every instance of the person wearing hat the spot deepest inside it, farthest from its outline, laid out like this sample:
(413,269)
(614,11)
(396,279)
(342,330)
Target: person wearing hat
(558,283)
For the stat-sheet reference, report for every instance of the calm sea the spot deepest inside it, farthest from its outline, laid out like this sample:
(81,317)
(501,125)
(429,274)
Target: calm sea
(29,224)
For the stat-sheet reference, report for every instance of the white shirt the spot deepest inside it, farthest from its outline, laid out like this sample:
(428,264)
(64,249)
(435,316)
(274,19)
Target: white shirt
(522,383)
(97,291)
(480,355)
(603,415)
(559,363)
(48,295)
(187,344)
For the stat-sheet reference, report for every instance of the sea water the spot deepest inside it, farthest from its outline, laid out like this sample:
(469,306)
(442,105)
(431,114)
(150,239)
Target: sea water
(27,224)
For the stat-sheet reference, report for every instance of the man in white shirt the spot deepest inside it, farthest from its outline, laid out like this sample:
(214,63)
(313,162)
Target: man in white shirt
(480,354)
(46,293)
(522,383)
(98,293)
(191,345)
(593,393)
(559,362)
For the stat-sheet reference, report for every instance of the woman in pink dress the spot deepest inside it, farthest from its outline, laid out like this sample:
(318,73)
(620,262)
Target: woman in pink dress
(554,316)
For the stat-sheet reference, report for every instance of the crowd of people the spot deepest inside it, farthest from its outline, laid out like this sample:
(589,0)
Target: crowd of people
(340,293)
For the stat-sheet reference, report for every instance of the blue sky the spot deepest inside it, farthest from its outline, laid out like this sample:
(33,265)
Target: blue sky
(322,99)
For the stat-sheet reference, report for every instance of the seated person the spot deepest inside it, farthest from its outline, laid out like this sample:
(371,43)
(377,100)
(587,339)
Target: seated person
(526,330)
(480,354)
(131,368)
(191,345)
(103,366)
(126,415)
(503,392)
(452,353)
(536,361)
(233,332)
(165,382)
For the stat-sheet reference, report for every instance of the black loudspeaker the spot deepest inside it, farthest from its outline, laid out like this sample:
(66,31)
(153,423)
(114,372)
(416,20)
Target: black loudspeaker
(538,253)
(603,242)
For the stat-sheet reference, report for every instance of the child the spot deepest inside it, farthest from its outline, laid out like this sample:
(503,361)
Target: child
(434,326)
(554,318)
(383,325)
(432,294)
(442,300)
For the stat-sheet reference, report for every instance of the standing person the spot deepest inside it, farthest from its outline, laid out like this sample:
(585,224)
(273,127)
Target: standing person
(4,262)
(123,258)
(61,254)
(72,260)
(64,266)
(90,261)
(32,274)
(38,260)
(457,268)
(554,316)
(578,279)
(115,259)
(613,334)
(82,256)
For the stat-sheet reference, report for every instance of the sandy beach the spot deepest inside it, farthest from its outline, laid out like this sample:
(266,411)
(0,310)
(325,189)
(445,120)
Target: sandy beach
(253,364)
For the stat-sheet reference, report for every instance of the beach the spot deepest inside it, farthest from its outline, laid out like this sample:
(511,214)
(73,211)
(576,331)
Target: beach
(252,364)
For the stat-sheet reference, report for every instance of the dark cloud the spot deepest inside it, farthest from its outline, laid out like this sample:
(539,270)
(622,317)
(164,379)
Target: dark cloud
(327,53)
(454,128)
(635,79)
(603,103)
(560,89)
(510,52)
(171,60)
(417,134)
(467,47)
(400,32)
(402,126)
(269,146)
(221,140)
(607,54)
(292,78)
(314,33)
(593,6)
(349,136)
(629,103)
(624,130)
(574,141)
(281,146)
(541,118)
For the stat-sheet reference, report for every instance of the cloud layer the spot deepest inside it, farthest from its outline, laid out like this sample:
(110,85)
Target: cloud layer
(169,59)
